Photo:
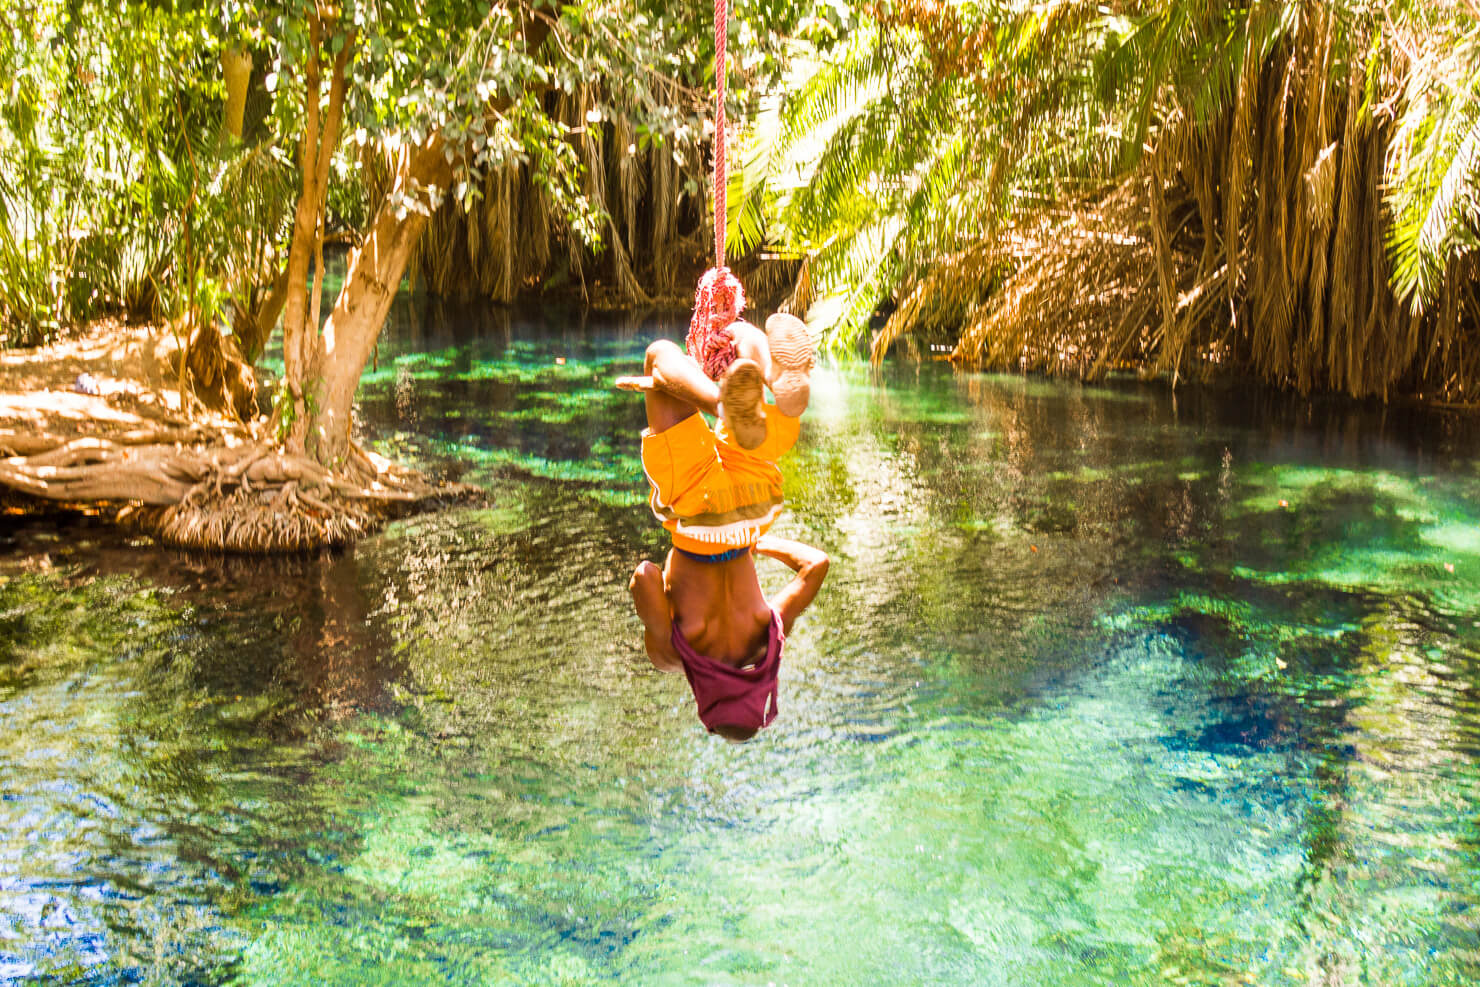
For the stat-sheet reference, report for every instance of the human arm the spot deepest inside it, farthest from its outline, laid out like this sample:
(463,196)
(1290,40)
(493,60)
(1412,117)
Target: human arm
(650,599)
(810,566)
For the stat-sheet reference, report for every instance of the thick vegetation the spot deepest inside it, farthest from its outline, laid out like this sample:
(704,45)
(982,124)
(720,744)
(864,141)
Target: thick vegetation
(189,164)
(1281,188)
(1285,189)
(637,110)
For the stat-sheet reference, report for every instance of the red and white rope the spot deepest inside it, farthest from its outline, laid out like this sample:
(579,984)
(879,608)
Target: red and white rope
(719,299)
(721,215)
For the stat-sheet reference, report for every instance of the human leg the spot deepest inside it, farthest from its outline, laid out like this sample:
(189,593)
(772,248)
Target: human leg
(673,385)
(751,344)
(784,354)
(783,357)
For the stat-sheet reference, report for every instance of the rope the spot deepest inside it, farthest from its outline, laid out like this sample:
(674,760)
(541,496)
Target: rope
(721,214)
(720,299)
(718,302)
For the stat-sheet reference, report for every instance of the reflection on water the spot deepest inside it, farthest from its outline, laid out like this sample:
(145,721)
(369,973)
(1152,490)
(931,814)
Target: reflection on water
(1105,686)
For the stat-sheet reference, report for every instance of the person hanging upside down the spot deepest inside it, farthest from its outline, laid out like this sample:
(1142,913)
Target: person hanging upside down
(718,491)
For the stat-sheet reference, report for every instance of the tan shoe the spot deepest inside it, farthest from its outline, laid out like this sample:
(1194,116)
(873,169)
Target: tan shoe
(742,403)
(791,363)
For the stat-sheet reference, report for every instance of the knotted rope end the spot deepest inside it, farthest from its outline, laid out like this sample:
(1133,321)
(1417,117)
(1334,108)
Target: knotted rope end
(718,302)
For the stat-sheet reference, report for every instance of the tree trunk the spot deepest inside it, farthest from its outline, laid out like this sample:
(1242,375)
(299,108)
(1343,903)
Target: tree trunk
(302,344)
(329,371)
(359,312)
(236,66)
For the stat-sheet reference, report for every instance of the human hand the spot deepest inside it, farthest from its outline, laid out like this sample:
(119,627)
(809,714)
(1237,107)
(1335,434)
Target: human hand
(642,382)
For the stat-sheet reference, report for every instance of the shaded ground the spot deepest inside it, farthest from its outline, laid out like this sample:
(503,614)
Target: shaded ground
(96,422)
(42,407)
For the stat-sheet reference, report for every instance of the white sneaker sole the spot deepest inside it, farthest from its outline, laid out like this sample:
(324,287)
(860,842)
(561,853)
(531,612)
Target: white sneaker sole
(792,361)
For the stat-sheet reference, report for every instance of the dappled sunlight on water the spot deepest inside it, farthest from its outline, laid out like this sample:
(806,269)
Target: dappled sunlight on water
(1105,686)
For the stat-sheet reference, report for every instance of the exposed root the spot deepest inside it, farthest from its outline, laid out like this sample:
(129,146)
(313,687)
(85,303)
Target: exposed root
(239,497)
(284,519)
(126,447)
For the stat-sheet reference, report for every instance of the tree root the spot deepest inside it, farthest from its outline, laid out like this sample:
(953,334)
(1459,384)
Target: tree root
(235,495)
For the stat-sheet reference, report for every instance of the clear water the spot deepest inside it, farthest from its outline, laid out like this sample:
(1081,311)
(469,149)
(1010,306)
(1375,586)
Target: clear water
(1106,686)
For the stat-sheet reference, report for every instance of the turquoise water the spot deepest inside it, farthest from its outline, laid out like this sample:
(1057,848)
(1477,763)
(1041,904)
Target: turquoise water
(1106,686)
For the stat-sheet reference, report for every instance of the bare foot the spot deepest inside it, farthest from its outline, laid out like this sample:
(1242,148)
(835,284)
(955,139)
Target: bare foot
(641,383)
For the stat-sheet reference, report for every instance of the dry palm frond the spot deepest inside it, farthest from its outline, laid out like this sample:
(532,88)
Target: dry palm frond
(803,293)
(942,299)
(1252,235)
(1108,318)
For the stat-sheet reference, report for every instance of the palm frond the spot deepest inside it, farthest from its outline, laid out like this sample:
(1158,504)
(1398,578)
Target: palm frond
(850,281)
(788,136)
(837,85)
(1434,173)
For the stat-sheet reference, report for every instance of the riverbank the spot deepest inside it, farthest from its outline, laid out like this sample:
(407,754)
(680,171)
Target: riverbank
(95,422)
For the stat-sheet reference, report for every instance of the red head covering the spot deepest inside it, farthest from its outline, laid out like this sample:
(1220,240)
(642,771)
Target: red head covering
(718,302)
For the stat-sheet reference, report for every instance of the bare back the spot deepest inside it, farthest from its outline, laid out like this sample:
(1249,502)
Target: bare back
(719,607)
